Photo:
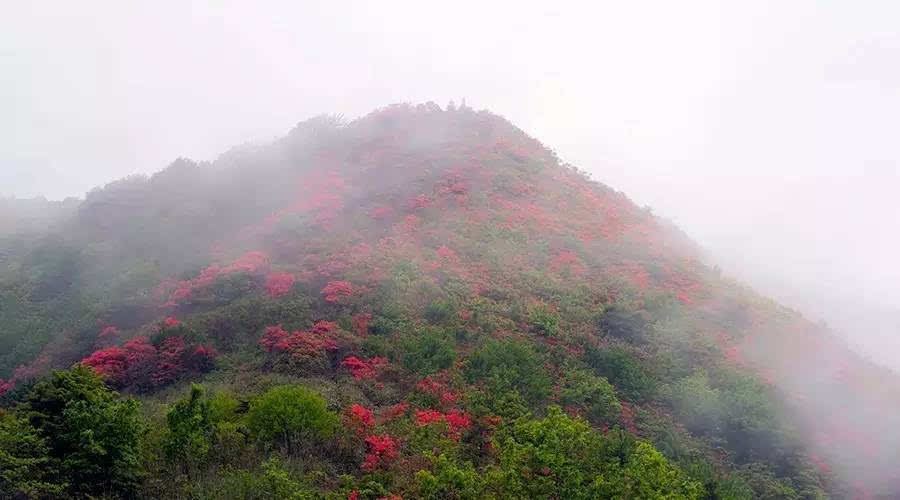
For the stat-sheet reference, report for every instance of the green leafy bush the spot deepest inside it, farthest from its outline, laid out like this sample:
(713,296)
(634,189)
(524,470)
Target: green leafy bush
(506,365)
(543,320)
(429,352)
(189,430)
(561,457)
(440,311)
(697,404)
(583,389)
(291,416)
(621,367)
(449,480)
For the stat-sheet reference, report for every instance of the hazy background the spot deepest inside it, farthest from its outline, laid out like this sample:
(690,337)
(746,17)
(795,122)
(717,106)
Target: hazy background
(767,130)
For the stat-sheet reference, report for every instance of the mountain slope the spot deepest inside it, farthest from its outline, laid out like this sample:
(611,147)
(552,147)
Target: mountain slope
(445,283)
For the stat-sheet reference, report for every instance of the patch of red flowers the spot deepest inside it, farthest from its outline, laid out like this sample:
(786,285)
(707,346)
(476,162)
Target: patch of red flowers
(360,419)
(171,322)
(457,421)
(250,262)
(107,333)
(396,410)
(381,450)
(364,369)
(334,291)
(439,390)
(299,343)
(138,362)
(5,385)
(425,417)
(278,284)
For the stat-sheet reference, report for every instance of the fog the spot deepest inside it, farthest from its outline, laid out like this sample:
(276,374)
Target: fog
(764,129)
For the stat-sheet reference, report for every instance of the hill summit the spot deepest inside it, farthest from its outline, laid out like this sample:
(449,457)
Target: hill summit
(421,303)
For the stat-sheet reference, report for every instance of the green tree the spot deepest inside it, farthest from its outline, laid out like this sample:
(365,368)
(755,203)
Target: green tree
(595,394)
(187,441)
(290,415)
(93,436)
(449,480)
(649,475)
(697,404)
(103,439)
(25,465)
(562,457)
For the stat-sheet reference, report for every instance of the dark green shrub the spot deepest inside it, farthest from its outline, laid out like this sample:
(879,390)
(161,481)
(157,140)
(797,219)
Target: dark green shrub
(509,365)
(449,479)
(623,369)
(543,320)
(698,405)
(440,311)
(187,441)
(624,323)
(429,352)
(595,395)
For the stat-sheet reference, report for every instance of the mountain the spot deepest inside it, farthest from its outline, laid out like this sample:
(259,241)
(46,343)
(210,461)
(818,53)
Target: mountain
(422,302)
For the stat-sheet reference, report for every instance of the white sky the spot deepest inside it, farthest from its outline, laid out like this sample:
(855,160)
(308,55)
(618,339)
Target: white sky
(767,130)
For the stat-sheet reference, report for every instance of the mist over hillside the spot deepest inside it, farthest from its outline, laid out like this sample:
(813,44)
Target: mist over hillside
(422,302)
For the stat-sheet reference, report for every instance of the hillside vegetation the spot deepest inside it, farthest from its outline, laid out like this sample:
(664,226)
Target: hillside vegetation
(421,303)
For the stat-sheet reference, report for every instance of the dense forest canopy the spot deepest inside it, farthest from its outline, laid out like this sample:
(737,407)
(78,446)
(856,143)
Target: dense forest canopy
(421,303)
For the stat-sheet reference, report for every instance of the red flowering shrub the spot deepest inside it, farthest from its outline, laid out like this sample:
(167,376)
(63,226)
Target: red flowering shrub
(171,322)
(250,262)
(5,385)
(109,362)
(107,334)
(396,410)
(279,284)
(381,450)
(305,350)
(360,419)
(322,327)
(447,254)
(437,390)
(335,290)
(381,212)
(566,260)
(272,337)
(425,417)
(302,344)
(457,421)
(169,364)
(201,358)
(364,369)
(139,364)
(420,201)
